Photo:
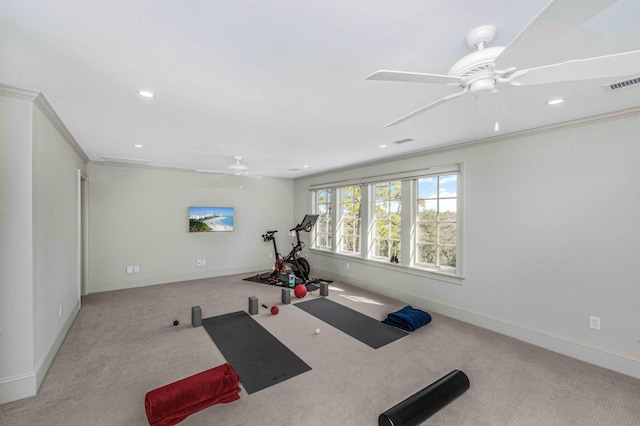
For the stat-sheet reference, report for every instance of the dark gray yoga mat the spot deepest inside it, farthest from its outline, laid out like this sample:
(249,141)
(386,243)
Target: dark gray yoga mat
(258,357)
(359,326)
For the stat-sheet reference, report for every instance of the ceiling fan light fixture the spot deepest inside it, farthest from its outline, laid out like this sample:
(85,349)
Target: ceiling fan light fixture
(483,86)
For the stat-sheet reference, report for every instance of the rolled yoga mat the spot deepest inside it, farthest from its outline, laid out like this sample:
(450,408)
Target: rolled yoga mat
(172,403)
(425,403)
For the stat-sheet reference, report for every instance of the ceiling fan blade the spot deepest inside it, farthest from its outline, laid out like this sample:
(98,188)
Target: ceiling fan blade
(559,18)
(618,65)
(414,77)
(427,107)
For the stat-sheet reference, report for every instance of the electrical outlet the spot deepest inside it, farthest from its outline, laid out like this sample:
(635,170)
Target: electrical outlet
(129,269)
(594,322)
(199,262)
(136,268)
(204,262)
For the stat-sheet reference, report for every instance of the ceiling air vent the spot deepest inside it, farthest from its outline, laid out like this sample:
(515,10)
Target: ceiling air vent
(124,160)
(611,87)
(401,141)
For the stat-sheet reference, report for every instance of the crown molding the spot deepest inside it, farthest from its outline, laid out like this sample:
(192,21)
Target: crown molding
(14,92)
(43,104)
(585,121)
(40,101)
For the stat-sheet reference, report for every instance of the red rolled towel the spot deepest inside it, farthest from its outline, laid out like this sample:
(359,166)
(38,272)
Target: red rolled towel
(171,404)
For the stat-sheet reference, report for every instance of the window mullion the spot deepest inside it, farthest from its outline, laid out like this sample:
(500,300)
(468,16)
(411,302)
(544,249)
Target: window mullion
(365,222)
(334,220)
(407,220)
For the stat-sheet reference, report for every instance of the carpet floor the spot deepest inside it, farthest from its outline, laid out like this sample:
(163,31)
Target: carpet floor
(123,344)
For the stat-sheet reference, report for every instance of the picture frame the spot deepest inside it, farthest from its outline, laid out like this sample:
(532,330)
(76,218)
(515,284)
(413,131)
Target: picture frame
(211,219)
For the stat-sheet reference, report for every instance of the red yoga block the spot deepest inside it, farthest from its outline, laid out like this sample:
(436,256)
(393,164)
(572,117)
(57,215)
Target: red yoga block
(172,403)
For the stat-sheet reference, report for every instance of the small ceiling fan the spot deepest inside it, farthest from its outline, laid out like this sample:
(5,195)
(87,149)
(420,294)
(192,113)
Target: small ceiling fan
(518,64)
(235,169)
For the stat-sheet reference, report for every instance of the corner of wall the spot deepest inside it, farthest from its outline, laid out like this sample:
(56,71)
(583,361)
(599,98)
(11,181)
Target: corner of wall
(27,385)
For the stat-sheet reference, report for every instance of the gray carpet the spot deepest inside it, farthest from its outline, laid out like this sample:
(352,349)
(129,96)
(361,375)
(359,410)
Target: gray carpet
(123,344)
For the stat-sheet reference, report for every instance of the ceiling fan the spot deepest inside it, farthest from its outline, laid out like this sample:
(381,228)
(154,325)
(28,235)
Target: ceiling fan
(235,169)
(518,64)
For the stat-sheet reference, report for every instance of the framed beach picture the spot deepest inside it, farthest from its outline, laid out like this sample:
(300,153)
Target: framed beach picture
(210,219)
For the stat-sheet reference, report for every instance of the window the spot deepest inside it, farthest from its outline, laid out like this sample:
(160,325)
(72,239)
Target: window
(324,229)
(436,221)
(407,218)
(350,221)
(387,220)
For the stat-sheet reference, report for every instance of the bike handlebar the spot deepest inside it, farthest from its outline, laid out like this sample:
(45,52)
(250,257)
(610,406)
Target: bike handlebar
(268,236)
(300,228)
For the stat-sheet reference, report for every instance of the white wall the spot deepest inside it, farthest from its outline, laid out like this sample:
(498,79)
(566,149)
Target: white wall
(55,236)
(38,252)
(550,237)
(16,264)
(139,216)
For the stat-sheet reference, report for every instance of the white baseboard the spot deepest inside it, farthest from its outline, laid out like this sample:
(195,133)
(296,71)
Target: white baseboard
(166,279)
(26,385)
(17,387)
(624,363)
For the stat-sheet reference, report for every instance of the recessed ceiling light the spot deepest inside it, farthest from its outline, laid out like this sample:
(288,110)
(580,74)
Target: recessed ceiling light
(138,146)
(383,146)
(555,101)
(306,166)
(146,93)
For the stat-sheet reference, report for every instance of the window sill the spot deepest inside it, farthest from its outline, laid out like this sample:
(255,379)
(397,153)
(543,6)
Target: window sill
(413,270)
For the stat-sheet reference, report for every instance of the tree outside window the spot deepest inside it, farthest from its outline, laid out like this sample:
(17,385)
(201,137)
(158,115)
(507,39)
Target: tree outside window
(350,236)
(436,222)
(324,231)
(387,220)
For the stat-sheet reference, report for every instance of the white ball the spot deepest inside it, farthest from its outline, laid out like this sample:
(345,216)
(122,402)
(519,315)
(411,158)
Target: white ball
(317,331)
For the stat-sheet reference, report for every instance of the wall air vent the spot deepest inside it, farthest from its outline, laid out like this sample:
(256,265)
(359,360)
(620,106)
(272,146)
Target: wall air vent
(401,141)
(124,160)
(611,87)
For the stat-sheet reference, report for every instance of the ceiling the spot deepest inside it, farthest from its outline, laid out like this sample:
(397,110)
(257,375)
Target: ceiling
(282,83)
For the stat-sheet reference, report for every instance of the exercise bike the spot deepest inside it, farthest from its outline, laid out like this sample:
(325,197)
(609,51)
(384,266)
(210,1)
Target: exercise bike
(294,260)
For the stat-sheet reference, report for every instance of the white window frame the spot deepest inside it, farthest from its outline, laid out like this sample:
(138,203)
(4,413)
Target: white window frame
(374,224)
(328,220)
(340,207)
(409,222)
(439,200)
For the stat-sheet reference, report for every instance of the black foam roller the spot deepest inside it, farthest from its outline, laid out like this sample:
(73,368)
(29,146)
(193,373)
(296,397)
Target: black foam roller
(425,403)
